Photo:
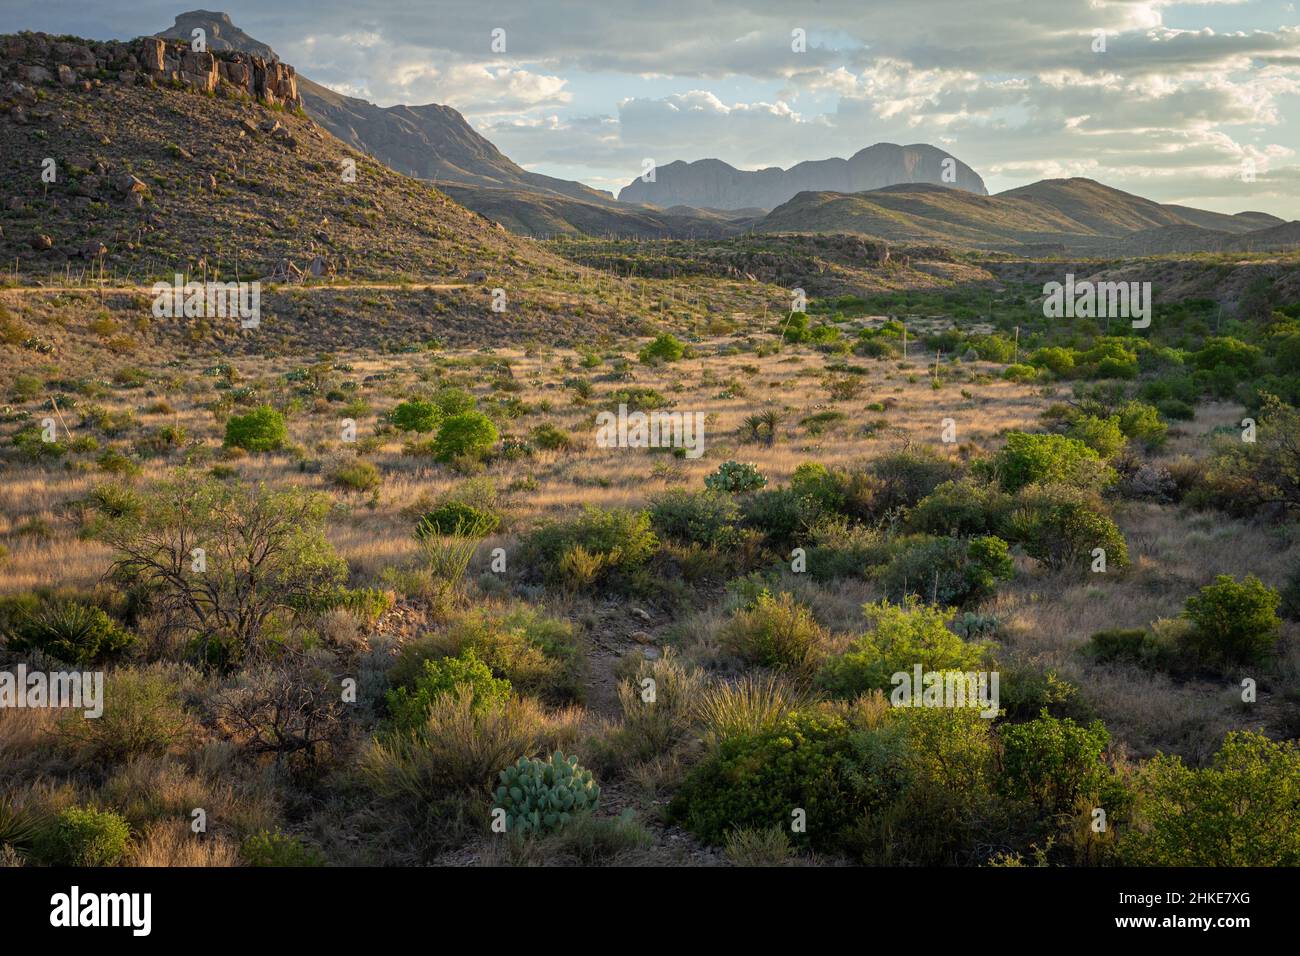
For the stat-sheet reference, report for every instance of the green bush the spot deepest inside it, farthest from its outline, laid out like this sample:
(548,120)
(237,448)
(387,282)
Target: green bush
(735,477)
(583,551)
(357,475)
(961,508)
(1233,623)
(898,639)
(1102,435)
(947,571)
(776,632)
(262,429)
(1061,526)
(665,348)
(465,435)
(416,416)
(267,848)
(71,632)
(1042,459)
(409,707)
(84,836)
(1141,422)
(758,781)
(540,796)
(1119,644)
(1241,810)
(707,518)
(1053,762)
(908,476)
(1058,361)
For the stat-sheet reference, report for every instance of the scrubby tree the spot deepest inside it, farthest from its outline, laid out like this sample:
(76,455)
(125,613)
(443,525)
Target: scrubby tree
(223,560)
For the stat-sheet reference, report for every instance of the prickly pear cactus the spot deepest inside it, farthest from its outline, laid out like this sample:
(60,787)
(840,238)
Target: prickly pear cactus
(539,796)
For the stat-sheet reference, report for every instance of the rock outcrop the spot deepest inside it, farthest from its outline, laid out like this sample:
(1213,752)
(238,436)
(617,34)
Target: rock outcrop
(39,59)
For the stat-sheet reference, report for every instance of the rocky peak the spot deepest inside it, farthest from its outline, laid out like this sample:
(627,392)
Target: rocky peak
(221,33)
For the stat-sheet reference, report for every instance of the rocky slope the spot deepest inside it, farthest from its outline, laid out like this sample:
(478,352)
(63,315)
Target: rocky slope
(712,183)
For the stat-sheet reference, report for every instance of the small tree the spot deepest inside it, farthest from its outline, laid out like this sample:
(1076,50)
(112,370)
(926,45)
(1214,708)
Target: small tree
(416,416)
(468,434)
(222,560)
(1233,623)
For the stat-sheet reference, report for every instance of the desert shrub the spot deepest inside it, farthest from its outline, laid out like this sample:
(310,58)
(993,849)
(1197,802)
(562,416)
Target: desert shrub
(781,514)
(455,517)
(1141,422)
(1119,644)
(292,709)
(416,416)
(665,348)
(551,438)
(542,795)
(770,846)
(1061,526)
(776,632)
(536,653)
(1057,360)
(655,726)
(840,548)
(735,477)
(1241,810)
(1019,372)
(947,571)
(143,715)
(458,751)
(707,518)
(961,508)
(465,435)
(757,781)
(898,638)
(273,848)
(908,476)
(356,475)
(591,548)
(1233,623)
(453,401)
(1027,690)
(265,555)
(1041,459)
(409,707)
(262,429)
(85,836)
(1053,762)
(1102,435)
(71,632)
(1263,473)
(752,704)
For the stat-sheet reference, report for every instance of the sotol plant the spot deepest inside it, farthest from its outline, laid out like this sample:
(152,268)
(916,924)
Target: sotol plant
(543,795)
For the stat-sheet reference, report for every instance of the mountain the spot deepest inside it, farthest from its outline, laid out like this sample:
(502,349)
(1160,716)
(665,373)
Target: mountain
(1080,215)
(428,142)
(714,184)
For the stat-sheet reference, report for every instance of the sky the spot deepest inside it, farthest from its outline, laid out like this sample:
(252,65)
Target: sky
(1194,103)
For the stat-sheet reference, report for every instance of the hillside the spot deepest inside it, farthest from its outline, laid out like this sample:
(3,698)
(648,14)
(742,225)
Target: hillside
(427,142)
(150,180)
(1079,215)
(711,183)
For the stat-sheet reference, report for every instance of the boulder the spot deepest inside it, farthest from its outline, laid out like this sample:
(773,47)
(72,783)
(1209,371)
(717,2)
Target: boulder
(66,75)
(42,241)
(152,53)
(129,185)
(92,249)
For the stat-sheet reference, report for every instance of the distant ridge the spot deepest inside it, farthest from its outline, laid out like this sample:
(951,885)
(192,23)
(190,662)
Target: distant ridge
(714,184)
